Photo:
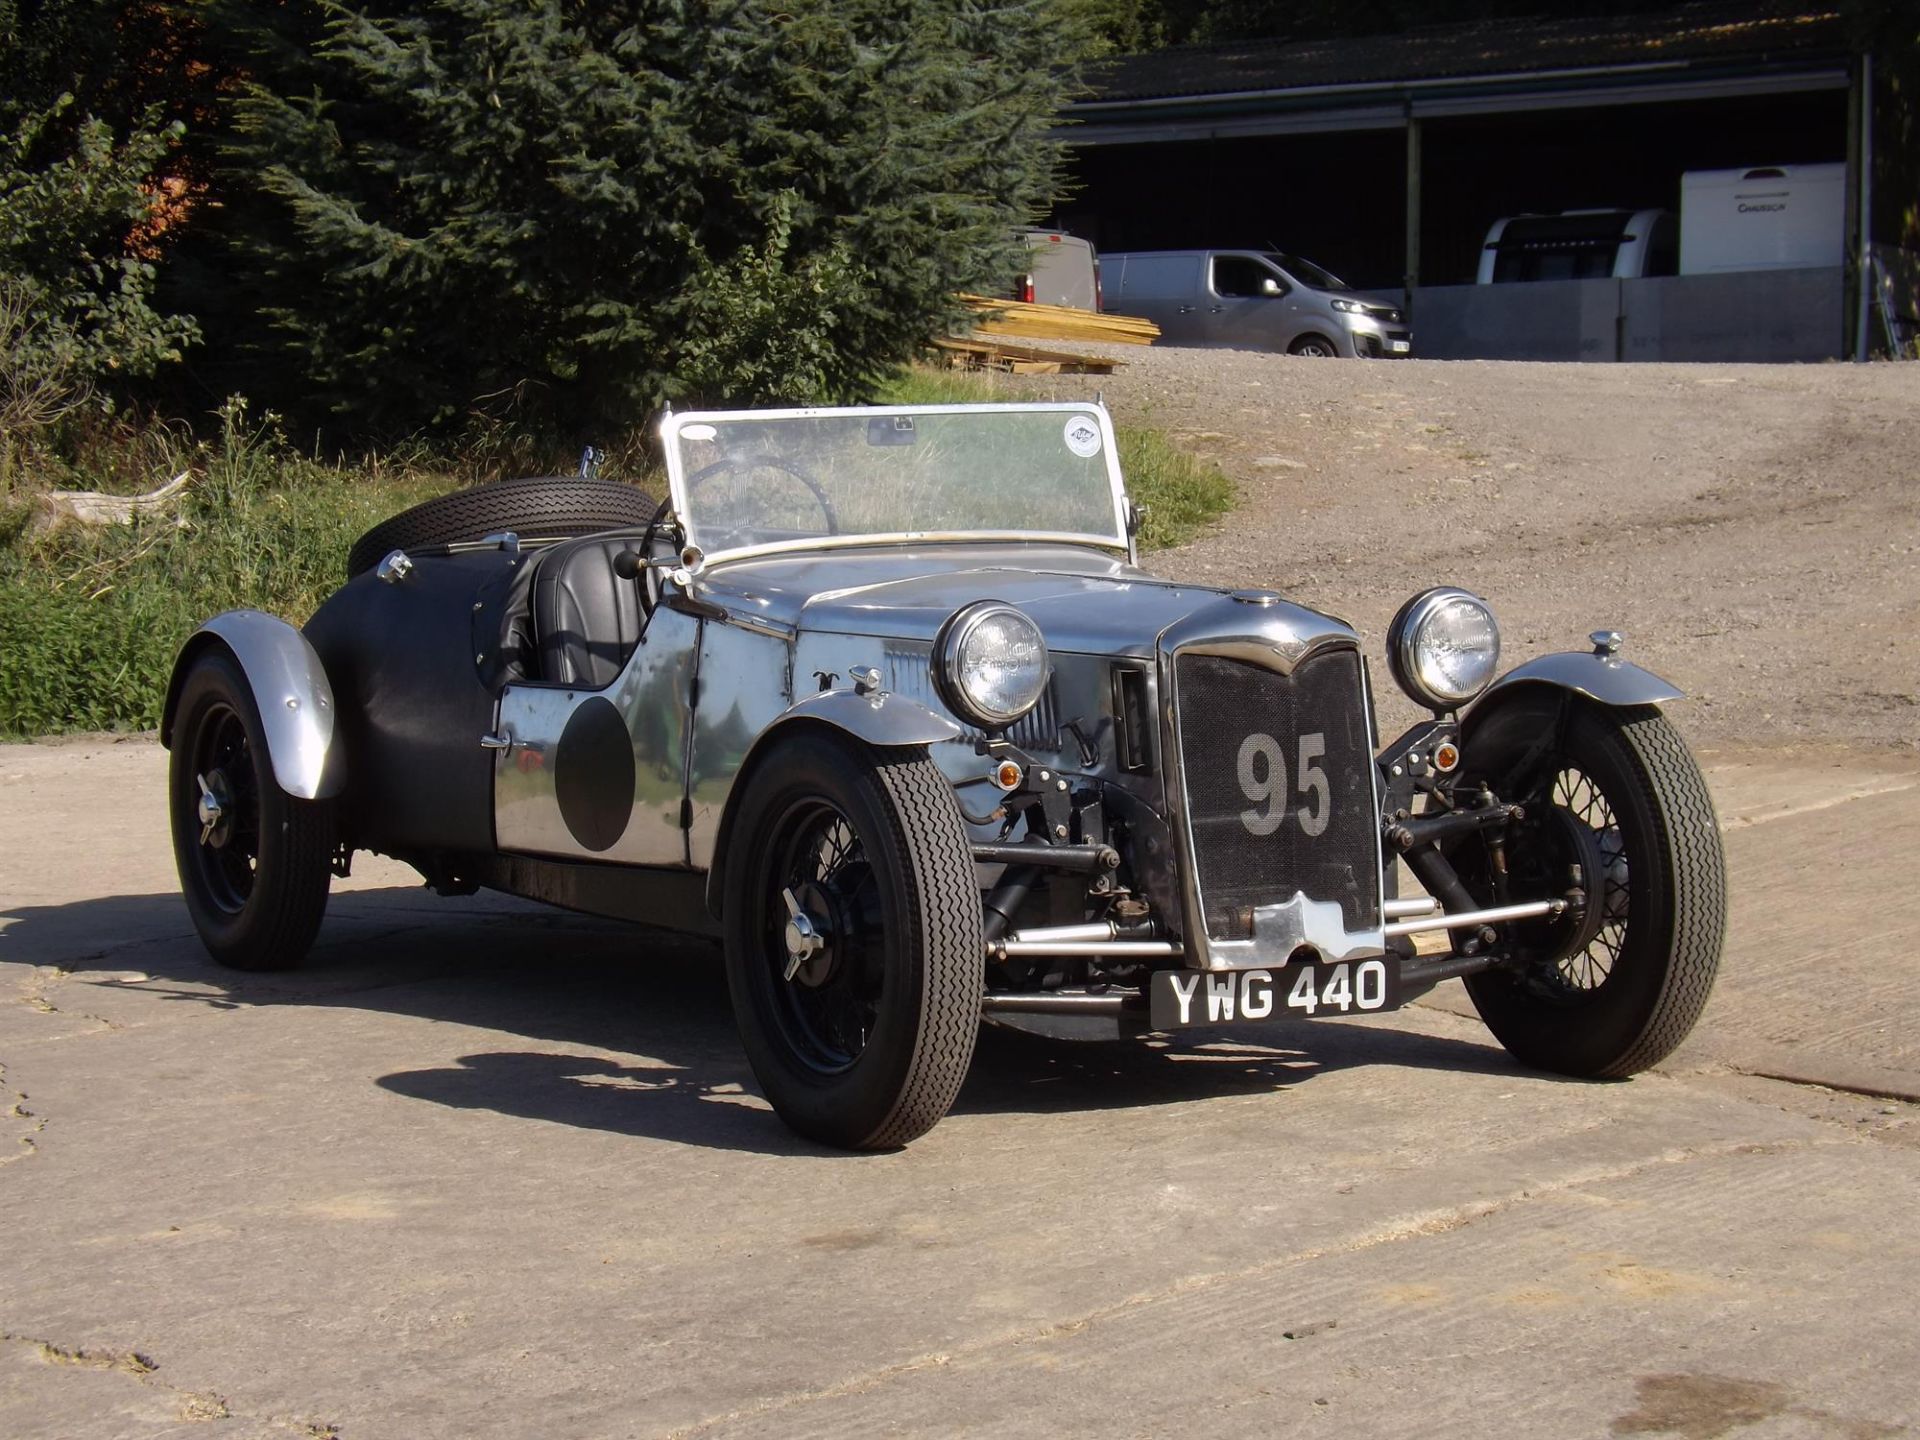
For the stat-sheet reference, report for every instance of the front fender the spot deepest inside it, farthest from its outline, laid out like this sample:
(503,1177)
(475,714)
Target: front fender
(1605,678)
(880,719)
(290,690)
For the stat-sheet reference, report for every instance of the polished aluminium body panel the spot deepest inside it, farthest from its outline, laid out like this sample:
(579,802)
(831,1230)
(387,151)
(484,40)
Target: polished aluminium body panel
(290,689)
(1271,633)
(654,695)
(1606,678)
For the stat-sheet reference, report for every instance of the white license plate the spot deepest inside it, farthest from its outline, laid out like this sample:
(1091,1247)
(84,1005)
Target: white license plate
(1180,998)
(1400,347)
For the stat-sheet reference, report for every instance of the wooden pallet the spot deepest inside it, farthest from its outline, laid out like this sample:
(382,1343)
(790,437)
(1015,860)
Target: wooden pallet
(983,354)
(1057,322)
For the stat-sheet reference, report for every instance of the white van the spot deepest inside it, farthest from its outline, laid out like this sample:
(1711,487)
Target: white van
(1062,269)
(1255,300)
(1767,217)
(1581,245)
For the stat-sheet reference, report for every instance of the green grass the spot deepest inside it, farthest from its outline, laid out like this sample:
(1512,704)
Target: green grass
(91,619)
(1183,494)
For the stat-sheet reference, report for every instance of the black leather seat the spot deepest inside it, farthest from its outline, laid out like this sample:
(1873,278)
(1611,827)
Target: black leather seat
(586,619)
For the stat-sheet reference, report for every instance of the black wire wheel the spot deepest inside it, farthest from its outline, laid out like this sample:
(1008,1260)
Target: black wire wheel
(853,939)
(1616,808)
(254,861)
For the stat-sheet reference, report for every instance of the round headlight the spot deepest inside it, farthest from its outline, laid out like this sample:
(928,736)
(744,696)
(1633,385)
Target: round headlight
(1443,647)
(992,664)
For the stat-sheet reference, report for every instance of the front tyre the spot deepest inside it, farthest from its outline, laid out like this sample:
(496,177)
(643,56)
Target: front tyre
(853,940)
(1620,803)
(254,861)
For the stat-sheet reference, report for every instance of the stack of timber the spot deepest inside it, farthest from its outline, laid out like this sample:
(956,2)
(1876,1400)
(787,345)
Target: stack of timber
(1057,322)
(979,353)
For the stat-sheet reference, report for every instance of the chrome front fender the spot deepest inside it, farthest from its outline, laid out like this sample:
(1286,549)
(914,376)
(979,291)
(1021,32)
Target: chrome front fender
(878,719)
(290,690)
(1605,678)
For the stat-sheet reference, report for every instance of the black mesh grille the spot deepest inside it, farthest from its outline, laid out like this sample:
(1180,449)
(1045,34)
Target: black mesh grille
(1238,720)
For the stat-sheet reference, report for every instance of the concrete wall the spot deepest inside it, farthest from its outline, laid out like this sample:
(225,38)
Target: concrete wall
(1760,315)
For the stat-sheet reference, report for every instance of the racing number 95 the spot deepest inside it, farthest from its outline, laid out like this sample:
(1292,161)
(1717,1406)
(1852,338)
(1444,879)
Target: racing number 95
(1263,780)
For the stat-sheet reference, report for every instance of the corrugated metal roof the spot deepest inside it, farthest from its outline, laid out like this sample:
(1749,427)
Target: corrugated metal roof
(1701,34)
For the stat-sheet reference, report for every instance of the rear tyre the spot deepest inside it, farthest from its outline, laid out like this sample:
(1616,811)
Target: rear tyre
(853,940)
(1613,991)
(254,861)
(548,509)
(1314,347)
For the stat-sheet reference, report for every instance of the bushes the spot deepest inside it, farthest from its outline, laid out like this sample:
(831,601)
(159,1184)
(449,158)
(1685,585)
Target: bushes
(567,212)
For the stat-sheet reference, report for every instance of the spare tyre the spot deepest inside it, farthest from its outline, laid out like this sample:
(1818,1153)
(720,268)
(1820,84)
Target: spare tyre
(557,508)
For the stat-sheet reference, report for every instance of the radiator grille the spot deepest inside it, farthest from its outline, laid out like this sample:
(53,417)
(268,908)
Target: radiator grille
(1250,801)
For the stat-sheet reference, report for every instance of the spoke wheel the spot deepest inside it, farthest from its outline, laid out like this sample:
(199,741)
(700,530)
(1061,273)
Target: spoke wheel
(254,862)
(853,939)
(1617,807)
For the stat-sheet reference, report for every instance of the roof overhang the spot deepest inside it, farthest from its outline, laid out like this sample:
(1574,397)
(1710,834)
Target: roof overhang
(1384,105)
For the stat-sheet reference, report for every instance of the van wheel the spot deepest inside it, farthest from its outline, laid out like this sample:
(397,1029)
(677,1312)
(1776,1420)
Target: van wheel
(1314,347)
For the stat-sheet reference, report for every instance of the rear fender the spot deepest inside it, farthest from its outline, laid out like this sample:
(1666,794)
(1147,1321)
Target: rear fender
(290,690)
(882,719)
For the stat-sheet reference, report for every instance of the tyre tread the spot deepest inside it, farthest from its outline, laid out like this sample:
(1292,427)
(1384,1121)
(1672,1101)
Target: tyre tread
(947,901)
(1696,863)
(557,507)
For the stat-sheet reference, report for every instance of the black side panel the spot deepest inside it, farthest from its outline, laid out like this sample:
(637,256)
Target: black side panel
(650,895)
(410,703)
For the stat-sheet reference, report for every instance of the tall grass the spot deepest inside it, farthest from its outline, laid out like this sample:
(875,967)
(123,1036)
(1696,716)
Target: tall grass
(91,619)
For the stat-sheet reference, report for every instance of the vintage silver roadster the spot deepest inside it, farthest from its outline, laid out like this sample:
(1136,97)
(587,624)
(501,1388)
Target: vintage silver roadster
(882,700)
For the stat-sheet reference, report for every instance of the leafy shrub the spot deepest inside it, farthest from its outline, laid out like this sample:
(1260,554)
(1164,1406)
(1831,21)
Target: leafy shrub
(517,206)
(66,213)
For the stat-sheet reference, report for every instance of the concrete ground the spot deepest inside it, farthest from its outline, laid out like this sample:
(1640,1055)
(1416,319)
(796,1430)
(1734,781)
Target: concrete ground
(479,1170)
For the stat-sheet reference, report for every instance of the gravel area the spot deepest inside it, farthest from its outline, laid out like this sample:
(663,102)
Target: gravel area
(1754,531)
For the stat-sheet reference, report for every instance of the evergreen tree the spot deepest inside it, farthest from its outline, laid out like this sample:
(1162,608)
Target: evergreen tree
(569,211)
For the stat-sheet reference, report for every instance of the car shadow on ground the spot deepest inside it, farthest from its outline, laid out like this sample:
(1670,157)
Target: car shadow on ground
(653,1005)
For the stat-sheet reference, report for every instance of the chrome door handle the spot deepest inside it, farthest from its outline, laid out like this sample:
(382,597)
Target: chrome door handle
(1186,310)
(1217,309)
(501,741)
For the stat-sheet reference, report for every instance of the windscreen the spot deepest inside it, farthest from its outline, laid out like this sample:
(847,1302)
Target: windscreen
(1308,273)
(749,480)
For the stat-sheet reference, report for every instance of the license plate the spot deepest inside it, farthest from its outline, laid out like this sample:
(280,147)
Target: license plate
(1180,998)
(1400,347)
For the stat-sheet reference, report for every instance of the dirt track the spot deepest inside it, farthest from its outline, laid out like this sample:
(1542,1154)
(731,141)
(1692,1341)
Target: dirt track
(1752,530)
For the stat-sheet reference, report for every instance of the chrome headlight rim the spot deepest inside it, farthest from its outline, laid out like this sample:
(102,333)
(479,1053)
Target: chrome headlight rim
(948,649)
(1404,641)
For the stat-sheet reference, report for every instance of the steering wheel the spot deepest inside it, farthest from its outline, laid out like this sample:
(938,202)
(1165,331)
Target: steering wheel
(728,464)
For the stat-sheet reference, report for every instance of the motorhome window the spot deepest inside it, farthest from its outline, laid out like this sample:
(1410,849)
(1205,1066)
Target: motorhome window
(1237,276)
(1160,277)
(1559,247)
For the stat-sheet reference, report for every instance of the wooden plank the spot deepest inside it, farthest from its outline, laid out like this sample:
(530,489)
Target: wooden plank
(1057,322)
(977,354)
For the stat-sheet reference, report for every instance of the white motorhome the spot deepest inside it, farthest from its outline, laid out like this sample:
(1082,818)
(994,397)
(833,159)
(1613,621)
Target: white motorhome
(1580,245)
(1767,217)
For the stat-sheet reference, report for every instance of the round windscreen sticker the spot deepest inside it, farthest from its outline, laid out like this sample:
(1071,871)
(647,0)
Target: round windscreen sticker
(697,432)
(1083,436)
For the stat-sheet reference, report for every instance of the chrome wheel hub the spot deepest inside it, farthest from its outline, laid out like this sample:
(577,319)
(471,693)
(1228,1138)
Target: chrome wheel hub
(808,959)
(212,806)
